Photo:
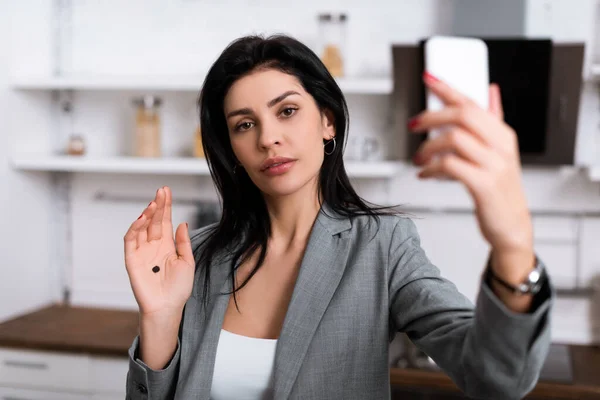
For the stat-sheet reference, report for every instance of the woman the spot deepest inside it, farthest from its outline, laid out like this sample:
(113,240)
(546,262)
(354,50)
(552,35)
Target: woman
(298,290)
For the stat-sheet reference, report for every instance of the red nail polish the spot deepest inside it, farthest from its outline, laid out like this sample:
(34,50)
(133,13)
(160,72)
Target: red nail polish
(430,77)
(412,123)
(149,204)
(141,216)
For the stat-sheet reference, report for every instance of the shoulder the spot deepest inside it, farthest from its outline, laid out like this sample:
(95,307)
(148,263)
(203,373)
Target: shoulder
(393,243)
(386,236)
(385,228)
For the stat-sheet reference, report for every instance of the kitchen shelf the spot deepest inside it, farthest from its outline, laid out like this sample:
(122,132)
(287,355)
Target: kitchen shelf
(169,166)
(170,83)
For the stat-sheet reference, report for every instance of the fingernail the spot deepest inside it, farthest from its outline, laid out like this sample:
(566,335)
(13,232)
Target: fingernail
(186,225)
(141,216)
(412,123)
(429,77)
(149,204)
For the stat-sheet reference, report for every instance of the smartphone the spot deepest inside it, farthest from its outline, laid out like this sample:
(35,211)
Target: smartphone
(461,62)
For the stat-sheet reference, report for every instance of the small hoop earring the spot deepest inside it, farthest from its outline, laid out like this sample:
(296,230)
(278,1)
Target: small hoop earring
(334,145)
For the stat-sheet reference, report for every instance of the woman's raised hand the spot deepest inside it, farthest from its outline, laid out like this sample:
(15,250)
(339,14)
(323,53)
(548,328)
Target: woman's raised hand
(480,150)
(160,269)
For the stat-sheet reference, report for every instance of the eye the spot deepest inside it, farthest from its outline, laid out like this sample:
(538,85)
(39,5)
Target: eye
(288,111)
(244,126)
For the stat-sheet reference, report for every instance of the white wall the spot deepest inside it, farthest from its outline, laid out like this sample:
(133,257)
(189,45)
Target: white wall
(185,36)
(27,277)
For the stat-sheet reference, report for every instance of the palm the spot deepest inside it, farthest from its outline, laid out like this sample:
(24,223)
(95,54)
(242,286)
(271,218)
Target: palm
(149,243)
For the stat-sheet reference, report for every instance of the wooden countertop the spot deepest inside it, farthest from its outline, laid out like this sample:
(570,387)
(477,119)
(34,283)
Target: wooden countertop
(72,329)
(110,333)
(586,362)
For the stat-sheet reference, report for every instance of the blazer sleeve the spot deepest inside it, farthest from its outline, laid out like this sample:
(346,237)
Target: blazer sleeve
(145,383)
(489,351)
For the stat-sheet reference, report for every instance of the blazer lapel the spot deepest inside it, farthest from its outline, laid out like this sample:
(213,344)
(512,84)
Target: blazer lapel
(320,273)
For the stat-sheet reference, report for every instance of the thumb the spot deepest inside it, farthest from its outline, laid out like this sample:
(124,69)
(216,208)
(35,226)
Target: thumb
(495,101)
(183,245)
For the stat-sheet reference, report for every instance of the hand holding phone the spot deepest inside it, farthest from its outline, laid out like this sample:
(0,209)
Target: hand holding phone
(480,151)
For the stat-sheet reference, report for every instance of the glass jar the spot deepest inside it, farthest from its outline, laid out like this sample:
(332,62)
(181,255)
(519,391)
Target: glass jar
(332,36)
(147,142)
(76,145)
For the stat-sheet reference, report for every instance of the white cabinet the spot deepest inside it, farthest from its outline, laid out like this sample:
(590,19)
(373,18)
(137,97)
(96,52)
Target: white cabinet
(556,243)
(454,243)
(560,19)
(564,21)
(44,370)
(560,260)
(44,375)
(589,251)
(25,394)
(538,18)
(108,377)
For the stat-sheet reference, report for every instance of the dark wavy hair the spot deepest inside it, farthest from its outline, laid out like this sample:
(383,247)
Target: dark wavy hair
(244,226)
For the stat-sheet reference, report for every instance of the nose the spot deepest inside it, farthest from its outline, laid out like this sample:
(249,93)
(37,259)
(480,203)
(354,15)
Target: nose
(269,135)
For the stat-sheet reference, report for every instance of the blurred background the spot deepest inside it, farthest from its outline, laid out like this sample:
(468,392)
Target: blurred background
(98,110)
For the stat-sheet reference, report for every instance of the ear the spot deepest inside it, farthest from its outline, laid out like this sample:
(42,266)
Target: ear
(328,124)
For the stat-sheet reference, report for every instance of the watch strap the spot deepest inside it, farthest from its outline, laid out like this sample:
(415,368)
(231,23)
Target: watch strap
(527,287)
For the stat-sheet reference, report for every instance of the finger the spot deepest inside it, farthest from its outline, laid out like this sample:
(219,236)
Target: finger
(167,215)
(474,120)
(496,101)
(445,92)
(183,244)
(142,237)
(155,229)
(454,167)
(459,141)
(130,238)
(168,204)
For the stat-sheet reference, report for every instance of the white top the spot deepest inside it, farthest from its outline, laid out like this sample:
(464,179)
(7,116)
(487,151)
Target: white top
(243,368)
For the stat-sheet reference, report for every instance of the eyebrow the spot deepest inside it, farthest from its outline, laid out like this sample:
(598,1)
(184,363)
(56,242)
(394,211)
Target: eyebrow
(271,103)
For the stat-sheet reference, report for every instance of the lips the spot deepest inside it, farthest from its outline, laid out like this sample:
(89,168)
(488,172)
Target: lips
(274,165)
(274,162)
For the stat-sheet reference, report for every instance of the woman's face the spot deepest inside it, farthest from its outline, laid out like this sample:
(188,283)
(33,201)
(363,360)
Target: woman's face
(269,115)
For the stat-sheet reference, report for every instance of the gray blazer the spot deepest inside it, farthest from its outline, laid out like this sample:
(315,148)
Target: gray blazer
(356,288)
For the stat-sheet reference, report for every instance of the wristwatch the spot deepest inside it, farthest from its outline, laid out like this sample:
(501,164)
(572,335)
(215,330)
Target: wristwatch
(531,285)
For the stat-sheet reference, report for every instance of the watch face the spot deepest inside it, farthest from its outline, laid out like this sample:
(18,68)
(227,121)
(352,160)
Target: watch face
(537,279)
(534,276)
